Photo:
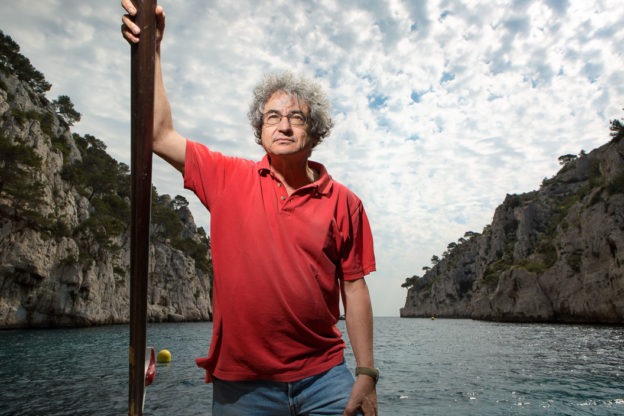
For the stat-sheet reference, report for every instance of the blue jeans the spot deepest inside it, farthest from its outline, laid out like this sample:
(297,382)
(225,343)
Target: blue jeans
(323,394)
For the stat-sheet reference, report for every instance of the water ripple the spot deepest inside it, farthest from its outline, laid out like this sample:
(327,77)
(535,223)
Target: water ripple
(441,367)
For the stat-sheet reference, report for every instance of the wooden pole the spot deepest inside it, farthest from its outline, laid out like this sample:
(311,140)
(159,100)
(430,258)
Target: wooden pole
(142,120)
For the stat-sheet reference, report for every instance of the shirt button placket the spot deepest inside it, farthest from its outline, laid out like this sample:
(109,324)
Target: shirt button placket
(282,196)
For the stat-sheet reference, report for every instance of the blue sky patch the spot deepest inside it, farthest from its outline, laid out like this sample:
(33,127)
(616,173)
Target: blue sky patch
(377,100)
(460,219)
(592,71)
(447,76)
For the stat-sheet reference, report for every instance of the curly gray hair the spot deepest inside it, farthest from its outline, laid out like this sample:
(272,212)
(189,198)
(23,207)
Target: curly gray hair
(304,89)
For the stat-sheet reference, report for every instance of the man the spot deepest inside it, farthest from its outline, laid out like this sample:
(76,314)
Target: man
(287,242)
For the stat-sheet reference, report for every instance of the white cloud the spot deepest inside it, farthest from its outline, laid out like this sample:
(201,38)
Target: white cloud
(441,107)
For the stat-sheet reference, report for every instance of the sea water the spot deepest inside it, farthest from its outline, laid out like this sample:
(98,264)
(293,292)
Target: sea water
(428,367)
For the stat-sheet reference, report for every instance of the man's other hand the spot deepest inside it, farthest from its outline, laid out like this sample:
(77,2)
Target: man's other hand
(363,397)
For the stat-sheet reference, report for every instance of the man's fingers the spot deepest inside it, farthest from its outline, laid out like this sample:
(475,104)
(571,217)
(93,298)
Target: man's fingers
(351,408)
(131,31)
(160,17)
(128,35)
(129,23)
(160,23)
(127,4)
(369,409)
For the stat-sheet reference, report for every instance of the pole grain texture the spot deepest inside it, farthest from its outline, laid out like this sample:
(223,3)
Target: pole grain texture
(141,126)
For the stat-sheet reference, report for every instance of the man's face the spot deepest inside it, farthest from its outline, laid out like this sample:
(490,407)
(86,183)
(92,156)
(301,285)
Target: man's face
(284,138)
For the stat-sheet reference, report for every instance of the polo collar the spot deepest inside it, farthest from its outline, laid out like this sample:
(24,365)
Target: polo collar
(322,185)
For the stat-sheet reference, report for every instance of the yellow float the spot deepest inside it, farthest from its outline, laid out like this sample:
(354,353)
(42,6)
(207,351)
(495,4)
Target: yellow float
(164,356)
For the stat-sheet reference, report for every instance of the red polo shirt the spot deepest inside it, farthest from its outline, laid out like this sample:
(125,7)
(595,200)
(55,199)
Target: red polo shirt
(278,261)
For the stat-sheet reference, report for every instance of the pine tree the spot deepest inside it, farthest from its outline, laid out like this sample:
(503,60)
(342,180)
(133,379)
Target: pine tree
(617,130)
(17,181)
(13,62)
(65,108)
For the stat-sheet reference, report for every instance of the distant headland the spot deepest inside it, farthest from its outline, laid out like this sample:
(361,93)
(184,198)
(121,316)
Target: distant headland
(552,255)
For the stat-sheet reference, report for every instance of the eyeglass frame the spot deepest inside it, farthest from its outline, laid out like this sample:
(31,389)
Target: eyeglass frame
(288,116)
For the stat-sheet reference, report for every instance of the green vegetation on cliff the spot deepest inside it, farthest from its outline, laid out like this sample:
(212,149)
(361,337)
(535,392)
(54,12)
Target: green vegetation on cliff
(13,62)
(64,220)
(17,181)
(555,254)
(94,174)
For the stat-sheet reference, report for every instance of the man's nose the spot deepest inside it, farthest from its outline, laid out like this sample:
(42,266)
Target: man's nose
(284,124)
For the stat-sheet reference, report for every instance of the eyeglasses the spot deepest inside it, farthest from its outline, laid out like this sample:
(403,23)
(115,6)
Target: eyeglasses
(295,118)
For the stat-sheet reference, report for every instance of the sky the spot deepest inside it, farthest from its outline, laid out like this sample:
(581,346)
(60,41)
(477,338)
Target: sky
(441,107)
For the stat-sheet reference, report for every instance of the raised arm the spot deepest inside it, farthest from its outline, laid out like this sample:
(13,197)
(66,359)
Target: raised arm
(167,143)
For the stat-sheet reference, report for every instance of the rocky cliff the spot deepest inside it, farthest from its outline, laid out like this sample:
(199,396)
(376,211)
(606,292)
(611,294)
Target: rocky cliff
(552,255)
(64,213)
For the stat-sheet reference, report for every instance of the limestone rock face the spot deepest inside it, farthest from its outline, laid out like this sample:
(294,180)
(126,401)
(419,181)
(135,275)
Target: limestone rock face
(60,263)
(552,255)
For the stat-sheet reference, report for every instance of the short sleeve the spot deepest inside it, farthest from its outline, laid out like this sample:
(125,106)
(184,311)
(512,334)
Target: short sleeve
(208,173)
(358,259)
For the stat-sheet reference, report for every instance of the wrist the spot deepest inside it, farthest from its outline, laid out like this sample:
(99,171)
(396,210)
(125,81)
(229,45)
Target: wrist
(373,373)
